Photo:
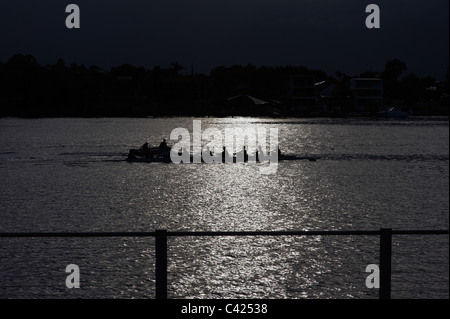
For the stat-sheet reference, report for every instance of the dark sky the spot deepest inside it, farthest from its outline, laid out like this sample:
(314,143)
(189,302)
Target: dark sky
(326,34)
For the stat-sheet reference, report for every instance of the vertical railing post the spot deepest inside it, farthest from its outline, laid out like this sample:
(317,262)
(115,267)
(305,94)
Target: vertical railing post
(385,262)
(161,264)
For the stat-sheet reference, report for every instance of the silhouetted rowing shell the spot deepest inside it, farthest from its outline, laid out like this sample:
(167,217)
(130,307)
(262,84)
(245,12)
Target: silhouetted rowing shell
(168,160)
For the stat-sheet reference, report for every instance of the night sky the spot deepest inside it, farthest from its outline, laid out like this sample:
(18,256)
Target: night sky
(327,34)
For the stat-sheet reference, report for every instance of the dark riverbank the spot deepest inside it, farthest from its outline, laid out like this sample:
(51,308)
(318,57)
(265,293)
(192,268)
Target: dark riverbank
(30,90)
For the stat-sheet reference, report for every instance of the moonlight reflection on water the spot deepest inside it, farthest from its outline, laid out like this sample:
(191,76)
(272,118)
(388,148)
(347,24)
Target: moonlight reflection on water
(70,175)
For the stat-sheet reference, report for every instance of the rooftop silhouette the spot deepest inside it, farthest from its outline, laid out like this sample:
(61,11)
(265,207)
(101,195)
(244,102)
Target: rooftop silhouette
(29,89)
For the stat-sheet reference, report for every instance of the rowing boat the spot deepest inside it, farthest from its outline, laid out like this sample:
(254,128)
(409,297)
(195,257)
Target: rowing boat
(167,159)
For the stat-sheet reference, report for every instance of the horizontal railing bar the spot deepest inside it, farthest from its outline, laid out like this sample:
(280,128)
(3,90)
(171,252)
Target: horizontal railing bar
(81,234)
(223,233)
(305,233)
(420,232)
(274,233)
(162,234)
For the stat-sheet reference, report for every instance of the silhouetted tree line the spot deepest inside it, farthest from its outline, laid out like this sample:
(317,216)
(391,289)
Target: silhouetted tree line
(422,95)
(30,90)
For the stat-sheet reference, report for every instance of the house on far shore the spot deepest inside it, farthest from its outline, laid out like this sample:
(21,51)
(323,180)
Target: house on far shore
(367,94)
(245,105)
(302,93)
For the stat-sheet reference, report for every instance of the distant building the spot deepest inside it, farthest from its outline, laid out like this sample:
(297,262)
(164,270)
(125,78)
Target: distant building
(302,92)
(367,94)
(243,104)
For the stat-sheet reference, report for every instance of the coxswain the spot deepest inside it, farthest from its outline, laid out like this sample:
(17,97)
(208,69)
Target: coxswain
(163,145)
(144,147)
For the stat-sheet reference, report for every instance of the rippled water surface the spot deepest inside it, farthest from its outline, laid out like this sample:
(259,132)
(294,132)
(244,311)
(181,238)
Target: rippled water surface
(71,175)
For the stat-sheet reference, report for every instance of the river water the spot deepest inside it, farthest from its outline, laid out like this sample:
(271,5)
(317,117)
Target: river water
(61,175)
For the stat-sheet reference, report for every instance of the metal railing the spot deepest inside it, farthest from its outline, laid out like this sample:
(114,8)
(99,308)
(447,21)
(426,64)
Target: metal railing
(161,236)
